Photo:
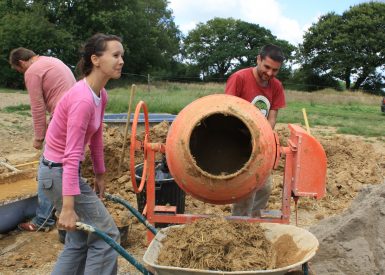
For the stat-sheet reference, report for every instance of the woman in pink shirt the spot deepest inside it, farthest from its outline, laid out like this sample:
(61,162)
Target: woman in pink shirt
(78,122)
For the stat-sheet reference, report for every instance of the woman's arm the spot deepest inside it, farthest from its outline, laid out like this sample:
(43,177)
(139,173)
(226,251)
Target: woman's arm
(68,217)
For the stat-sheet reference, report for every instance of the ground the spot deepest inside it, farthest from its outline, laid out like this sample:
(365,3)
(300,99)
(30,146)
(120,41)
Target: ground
(353,162)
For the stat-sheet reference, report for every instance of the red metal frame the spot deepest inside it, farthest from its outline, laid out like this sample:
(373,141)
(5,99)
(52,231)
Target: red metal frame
(297,158)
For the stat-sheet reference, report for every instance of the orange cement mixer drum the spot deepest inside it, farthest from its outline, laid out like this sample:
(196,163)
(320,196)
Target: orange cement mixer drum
(220,148)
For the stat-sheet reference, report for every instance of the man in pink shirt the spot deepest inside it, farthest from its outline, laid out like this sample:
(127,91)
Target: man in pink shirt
(46,79)
(259,86)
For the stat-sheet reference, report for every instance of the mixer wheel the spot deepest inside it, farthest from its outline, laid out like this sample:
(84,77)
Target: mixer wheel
(137,145)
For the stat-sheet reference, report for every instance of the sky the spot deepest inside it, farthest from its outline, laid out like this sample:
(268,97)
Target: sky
(286,19)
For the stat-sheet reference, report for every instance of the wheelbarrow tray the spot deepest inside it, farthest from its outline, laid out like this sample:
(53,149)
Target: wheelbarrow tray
(18,198)
(306,242)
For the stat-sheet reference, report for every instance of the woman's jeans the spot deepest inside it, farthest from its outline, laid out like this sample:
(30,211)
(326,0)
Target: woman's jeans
(44,211)
(83,253)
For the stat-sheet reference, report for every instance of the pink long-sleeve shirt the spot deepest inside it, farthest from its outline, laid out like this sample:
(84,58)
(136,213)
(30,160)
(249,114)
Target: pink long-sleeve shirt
(47,79)
(77,121)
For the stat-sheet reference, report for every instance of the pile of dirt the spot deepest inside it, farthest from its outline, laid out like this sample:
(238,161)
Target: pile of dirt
(3,170)
(202,245)
(113,144)
(28,250)
(245,247)
(118,181)
(354,242)
(351,164)
(16,147)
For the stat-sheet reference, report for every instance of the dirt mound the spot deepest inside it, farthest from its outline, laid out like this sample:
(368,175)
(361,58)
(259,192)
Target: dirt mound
(351,164)
(354,242)
(203,245)
(243,247)
(118,181)
(113,143)
(16,147)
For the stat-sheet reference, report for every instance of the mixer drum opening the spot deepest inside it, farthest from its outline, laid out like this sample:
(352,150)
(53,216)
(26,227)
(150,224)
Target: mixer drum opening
(220,144)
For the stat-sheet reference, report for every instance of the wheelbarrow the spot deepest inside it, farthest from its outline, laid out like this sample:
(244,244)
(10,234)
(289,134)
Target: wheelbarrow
(306,242)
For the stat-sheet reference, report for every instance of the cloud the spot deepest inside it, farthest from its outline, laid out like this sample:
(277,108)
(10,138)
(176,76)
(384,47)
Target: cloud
(267,14)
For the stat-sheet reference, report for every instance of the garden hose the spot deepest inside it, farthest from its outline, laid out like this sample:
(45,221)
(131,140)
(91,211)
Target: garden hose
(114,245)
(133,210)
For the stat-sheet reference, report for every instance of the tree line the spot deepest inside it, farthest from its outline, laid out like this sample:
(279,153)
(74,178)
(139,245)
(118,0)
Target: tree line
(338,51)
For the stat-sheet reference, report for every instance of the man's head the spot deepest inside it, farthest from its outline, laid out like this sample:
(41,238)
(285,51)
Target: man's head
(20,59)
(269,61)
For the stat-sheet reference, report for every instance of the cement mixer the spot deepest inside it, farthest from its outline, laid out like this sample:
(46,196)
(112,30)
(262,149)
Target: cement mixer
(220,148)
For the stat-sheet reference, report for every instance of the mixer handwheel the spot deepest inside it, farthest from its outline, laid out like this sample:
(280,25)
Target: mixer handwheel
(137,145)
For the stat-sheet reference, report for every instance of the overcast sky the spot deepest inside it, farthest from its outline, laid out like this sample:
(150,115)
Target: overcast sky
(286,19)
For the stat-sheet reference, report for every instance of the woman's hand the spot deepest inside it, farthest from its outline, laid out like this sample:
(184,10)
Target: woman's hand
(68,217)
(38,143)
(99,186)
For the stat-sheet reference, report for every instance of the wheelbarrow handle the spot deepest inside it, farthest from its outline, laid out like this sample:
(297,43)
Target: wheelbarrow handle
(90,229)
(133,210)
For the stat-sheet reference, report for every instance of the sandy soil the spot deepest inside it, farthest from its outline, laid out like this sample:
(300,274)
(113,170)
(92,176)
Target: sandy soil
(353,242)
(244,247)
(353,163)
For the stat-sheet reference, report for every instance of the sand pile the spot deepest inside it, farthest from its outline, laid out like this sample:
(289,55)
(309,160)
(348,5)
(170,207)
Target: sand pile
(3,170)
(117,180)
(351,164)
(216,244)
(113,143)
(354,241)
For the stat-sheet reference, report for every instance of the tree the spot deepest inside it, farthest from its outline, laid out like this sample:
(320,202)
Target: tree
(150,36)
(210,46)
(347,47)
(306,78)
(54,27)
(28,28)
(223,45)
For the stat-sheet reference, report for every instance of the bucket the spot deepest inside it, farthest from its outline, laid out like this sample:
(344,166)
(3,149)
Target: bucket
(123,230)
(167,192)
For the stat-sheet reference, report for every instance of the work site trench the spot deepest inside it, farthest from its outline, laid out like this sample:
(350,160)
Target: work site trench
(350,234)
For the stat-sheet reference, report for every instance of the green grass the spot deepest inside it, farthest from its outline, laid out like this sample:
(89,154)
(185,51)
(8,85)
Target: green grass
(163,98)
(4,91)
(362,120)
(350,113)
(21,109)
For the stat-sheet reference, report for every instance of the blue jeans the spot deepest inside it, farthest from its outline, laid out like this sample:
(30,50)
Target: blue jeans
(83,253)
(44,211)
(252,205)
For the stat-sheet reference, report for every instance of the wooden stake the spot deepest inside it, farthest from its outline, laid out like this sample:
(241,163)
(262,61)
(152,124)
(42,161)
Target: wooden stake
(132,94)
(27,163)
(306,121)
